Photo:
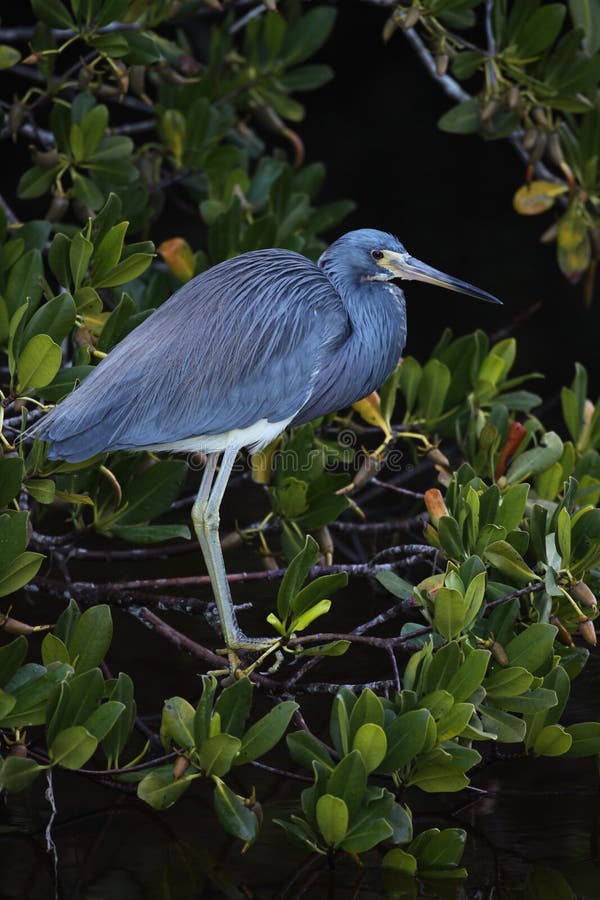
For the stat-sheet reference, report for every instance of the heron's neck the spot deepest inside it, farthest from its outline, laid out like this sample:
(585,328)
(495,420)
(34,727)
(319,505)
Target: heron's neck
(378,314)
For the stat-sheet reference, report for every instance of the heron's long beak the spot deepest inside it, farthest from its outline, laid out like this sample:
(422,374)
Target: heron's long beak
(411,269)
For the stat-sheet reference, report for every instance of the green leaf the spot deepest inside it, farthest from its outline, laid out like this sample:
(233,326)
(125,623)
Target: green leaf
(461,119)
(103,720)
(42,489)
(453,723)
(470,675)
(400,861)
(52,13)
(38,363)
(395,585)
(310,32)
(11,476)
(304,747)
(317,591)
(450,537)
(507,728)
(405,739)
(537,460)
(264,734)
(585,739)
(77,701)
(72,747)
(217,754)
(93,126)
(433,388)
(108,252)
(233,814)
(539,31)
(348,781)
(529,703)
(532,648)
(368,708)
(295,576)
(55,318)
(332,819)
(160,791)
(91,638)
(371,743)
(203,717)
(11,658)
(233,706)
(36,181)
(508,682)
(449,613)
(151,493)
(509,562)
(150,534)
(7,703)
(114,743)
(586,16)
(126,271)
(18,772)
(177,724)
(80,253)
(19,572)
(436,773)
(552,740)
(9,56)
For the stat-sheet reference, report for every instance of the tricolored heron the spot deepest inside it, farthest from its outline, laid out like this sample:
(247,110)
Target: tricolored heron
(259,342)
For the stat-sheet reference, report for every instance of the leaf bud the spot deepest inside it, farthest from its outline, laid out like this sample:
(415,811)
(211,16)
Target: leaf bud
(529,138)
(554,149)
(13,626)
(441,64)
(499,654)
(180,766)
(45,159)
(438,458)
(137,79)
(563,636)
(588,632)
(58,207)
(513,96)
(411,18)
(583,594)
(589,409)
(18,749)
(489,108)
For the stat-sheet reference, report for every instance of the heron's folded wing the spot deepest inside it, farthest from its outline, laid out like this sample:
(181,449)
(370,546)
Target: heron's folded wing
(240,343)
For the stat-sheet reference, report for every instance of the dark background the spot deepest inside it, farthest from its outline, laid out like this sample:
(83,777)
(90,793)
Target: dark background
(447,197)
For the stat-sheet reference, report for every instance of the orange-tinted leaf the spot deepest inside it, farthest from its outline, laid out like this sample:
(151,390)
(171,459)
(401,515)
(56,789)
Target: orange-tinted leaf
(436,507)
(178,255)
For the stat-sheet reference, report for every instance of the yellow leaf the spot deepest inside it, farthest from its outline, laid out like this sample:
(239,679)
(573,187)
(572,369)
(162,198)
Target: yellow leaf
(573,243)
(537,197)
(178,255)
(369,409)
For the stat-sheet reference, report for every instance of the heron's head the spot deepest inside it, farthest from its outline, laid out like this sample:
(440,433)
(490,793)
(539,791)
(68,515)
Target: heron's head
(371,255)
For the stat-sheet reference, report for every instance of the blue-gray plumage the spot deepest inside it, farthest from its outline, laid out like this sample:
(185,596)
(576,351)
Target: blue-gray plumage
(259,342)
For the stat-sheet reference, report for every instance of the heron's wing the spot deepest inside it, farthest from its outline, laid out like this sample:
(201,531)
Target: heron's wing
(241,343)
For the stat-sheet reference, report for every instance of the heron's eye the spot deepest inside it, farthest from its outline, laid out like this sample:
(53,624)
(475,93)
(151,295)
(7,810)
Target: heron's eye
(377,254)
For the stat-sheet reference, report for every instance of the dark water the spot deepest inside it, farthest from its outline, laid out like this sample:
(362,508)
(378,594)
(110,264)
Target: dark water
(532,834)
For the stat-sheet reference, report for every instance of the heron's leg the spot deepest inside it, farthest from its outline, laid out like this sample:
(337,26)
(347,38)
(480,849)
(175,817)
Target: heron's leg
(205,516)
(199,507)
